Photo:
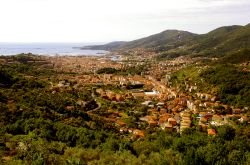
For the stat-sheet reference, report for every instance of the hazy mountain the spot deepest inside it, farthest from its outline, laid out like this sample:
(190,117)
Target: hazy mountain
(109,46)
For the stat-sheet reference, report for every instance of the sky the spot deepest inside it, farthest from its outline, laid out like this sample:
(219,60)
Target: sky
(113,20)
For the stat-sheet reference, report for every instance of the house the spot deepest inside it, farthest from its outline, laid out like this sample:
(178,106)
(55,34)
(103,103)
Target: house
(203,120)
(160,104)
(217,120)
(138,94)
(164,118)
(211,132)
(61,84)
(111,95)
(213,99)
(163,111)
(152,123)
(100,91)
(185,114)
(203,126)
(145,118)
(208,97)
(120,123)
(192,88)
(208,104)
(202,114)
(119,98)
(191,105)
(123,130)
(81,103)
(183,102)
(208,116)
(130,130)
(172,121)
(138,133)
(152,93)
(244,119)
(154,112)
(185,121)
(236,111)
(146,103)
(177,118)
(69,108)
(168,126)
(177,109)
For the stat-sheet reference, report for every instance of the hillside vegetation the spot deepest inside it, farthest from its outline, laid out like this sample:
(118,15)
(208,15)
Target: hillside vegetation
(174,43)
(51,112)
(227,77)
(44,125)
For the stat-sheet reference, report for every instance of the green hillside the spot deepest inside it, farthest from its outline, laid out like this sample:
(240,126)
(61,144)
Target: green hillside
(210,41)
(108,46)
(165,40)
(223,40)
(44,124)
(228,78)
(237,57)
(172,43)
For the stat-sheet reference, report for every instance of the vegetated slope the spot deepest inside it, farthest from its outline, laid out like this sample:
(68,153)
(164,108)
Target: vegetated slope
(223,40)
(211,40)
(228,78)
(237,57)
(218,42)
(239,39)
(37,127)
(165,40)
(108,46)
(233,84)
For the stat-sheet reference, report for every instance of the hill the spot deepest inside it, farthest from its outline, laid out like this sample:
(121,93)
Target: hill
(239,57)
(211,40)
(49,117)
(108,46)
(218,42)
(223,40)
(165,40)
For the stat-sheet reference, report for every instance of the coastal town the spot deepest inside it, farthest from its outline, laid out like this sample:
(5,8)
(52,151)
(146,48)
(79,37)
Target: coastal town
(114,102)
(157,104)
(125,82)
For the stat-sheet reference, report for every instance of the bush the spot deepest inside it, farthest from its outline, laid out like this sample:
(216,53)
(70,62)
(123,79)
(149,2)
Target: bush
(106,71)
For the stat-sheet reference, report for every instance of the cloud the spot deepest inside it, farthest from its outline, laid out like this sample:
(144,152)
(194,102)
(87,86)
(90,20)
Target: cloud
(106,20)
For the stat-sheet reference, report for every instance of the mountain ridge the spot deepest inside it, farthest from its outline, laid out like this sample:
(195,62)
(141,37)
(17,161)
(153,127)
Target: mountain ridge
(217,42)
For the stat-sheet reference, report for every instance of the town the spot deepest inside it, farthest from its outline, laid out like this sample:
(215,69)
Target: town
(121,103)
(158,104)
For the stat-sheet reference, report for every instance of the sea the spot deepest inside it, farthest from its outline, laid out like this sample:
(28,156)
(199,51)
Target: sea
(49,49)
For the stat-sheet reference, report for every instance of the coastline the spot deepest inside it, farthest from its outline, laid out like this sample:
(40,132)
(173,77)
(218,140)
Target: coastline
(48,49)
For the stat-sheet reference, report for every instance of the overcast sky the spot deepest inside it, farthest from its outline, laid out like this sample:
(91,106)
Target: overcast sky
(110,20)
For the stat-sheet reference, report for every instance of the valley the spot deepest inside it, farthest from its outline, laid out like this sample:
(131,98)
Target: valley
(96,104)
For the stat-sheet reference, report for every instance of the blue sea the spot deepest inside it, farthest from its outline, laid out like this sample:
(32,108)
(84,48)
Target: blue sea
(51,49)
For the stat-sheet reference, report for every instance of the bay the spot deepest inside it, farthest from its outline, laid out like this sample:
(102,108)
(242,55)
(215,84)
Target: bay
(50,49)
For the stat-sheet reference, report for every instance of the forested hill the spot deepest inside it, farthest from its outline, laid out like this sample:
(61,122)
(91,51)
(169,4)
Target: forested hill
(109,46)
(218,42)
(165,39)
(49,117)
(168,39)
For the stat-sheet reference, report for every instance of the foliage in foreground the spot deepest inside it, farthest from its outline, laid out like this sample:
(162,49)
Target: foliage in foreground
(36,128)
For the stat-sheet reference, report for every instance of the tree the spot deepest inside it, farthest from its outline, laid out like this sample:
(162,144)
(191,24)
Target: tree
(226,132)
